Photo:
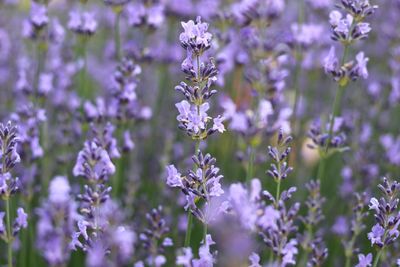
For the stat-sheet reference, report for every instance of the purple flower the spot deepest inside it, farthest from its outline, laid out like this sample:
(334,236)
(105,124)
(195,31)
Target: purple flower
(38,15)
(341,226)
(125,240)
(289,252)
(22,218)
(269,218)
(374,204)
(375,236)
(362,65)
(174,178)
(93,162)
(364,260)
(82,226)
(218,125)
(391,145)
(243,203)
(186,258)
(254,259)
(195,35)
(331,62)
(59,190)
(45,83)
(2,227)
(206,259)
(75,241)
(82,23)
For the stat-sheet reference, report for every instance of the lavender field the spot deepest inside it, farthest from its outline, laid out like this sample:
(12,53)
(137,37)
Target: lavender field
(199,133)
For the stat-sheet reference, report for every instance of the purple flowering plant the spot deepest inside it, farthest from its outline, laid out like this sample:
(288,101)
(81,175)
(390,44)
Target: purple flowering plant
(291,109)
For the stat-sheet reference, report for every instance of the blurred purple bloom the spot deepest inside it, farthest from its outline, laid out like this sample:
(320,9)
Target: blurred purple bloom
(254,259)
(174,178)
(331,62)
(364,260)
(93,162)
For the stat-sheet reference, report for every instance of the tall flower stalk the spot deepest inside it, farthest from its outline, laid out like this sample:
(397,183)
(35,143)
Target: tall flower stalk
(84,25)
(203,181)
(346,30)
(9,185)
(387,217)
(118,8)
(280,169)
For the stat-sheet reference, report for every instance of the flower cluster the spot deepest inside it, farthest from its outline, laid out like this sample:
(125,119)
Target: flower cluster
(276,225)
(320,137)
(94,164)
(193,117)
(147,14)
(57,218)
(347,30)
(38,20)
(201,183)
(279,154)
(357,225)
(154,239)
(9,157)
(9,185)
(82,23)
(387,217)
(206,258)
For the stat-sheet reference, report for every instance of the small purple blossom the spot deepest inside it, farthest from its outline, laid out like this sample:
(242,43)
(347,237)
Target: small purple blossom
(364,260)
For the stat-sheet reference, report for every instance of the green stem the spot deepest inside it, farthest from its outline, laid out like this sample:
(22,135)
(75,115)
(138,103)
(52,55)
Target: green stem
(188,229)
(190,215)
(297,69)
(278,191)
(349,250)
(335,112)
(336,102)
(82,75)
(321,168)
(117,35)
(9,234)
(204,232)
(377,257)
(250,165)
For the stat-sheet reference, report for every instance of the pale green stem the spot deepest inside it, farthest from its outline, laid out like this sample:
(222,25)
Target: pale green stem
(190,215)
(336,103)
(117,35)
(377,257)
(188,229)
(250,164)
(9,233)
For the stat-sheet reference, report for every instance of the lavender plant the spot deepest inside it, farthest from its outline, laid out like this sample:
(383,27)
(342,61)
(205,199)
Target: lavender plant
(346,30)
(203,181)
(9,185)
(86,82)
(384,233)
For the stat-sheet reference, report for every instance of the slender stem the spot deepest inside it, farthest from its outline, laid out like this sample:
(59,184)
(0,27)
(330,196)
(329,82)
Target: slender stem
(204,232)
(335,112)
(298,68)
(250,164)
(349,250)
(188,229)
(278,186)
(117,35)
(377,257)
(321,168)
(9,234)
(190,215)
(336,102)
(83,73)
(348,261)
(278,191)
